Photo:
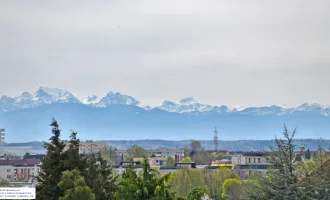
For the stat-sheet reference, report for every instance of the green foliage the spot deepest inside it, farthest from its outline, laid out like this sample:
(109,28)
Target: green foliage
(144,187)
(110,155)
(71,157)
(135,152)
(170,161)
(185,180)
(215,179)
(99,177)
(52,167)
(231,189)
(197,194)
(187,159)
(74,187)
(4,183)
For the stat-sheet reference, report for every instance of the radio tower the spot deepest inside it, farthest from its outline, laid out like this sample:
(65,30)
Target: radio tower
(215,139)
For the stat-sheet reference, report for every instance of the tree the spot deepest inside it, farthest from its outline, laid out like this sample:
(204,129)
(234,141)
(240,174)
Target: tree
(74,187)
(183,181)
(135,152)
(281,183)
(308,154)
(144,187)
(71,157)
(99,177)
(187,160)
(52,167)
(215,179)
(197,194)
(110,155)
(169,161)
(232,189)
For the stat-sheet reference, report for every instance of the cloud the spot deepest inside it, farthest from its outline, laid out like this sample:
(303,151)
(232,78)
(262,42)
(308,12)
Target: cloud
(220,52)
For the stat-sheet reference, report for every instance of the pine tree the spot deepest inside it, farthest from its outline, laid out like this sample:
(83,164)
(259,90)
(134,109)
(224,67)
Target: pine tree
(99,177)
(72,158)
(282,181)
(52,167)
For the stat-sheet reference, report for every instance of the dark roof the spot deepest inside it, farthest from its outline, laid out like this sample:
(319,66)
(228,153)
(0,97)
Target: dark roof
(35,156)
(20,162)
(254,153)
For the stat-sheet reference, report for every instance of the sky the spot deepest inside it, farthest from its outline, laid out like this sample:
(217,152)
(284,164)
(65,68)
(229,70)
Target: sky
(221,52)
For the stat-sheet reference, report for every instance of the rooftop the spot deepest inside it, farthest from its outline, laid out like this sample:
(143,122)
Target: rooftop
(21,162)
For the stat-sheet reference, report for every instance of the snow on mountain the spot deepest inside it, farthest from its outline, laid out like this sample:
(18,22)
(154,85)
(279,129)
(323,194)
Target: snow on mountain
(265,110)
(91,100)
(187,105)
(314,107)
(25,100)
(46,95)
(116,98)
(6,103)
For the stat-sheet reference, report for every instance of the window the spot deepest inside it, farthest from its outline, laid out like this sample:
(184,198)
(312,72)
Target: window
(8,170)
(249,160)
(254,160)
(259,160)
(8,176)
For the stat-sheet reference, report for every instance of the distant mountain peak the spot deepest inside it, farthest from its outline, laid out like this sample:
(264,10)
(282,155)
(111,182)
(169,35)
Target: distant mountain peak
(91,100)
(117,98)
(188,100)
(24,96)
(47,95)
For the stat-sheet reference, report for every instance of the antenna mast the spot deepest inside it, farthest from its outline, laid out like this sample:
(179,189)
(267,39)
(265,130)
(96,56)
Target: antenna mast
(215,139)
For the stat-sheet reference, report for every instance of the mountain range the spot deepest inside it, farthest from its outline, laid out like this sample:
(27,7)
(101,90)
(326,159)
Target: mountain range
(119,116)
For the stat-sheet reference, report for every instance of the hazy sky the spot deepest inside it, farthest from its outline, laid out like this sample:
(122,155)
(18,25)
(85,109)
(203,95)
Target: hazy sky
(229,52)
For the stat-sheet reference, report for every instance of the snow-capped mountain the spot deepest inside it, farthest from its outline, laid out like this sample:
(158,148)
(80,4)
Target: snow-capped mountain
(25,100)
(7,103)
(116,98)
(91,100)
(46,95)
(265,110)
(189,104)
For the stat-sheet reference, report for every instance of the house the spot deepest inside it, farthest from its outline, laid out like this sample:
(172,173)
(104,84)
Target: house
(88,147)
(20,170)
(153,161)
(251,163)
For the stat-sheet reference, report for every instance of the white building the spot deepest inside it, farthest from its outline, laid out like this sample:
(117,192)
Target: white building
(19,170)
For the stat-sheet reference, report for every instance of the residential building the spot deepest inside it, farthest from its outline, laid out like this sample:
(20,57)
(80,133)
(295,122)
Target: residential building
(20,170)
(88,147)
(251,163)
(153,161)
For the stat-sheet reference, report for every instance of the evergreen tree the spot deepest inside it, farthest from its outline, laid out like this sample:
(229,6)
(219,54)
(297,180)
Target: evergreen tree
(71,157)
(52,167)
(282,181)
(99,177)
(308,154)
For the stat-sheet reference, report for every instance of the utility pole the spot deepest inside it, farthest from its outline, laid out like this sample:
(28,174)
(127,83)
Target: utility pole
(215,139)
